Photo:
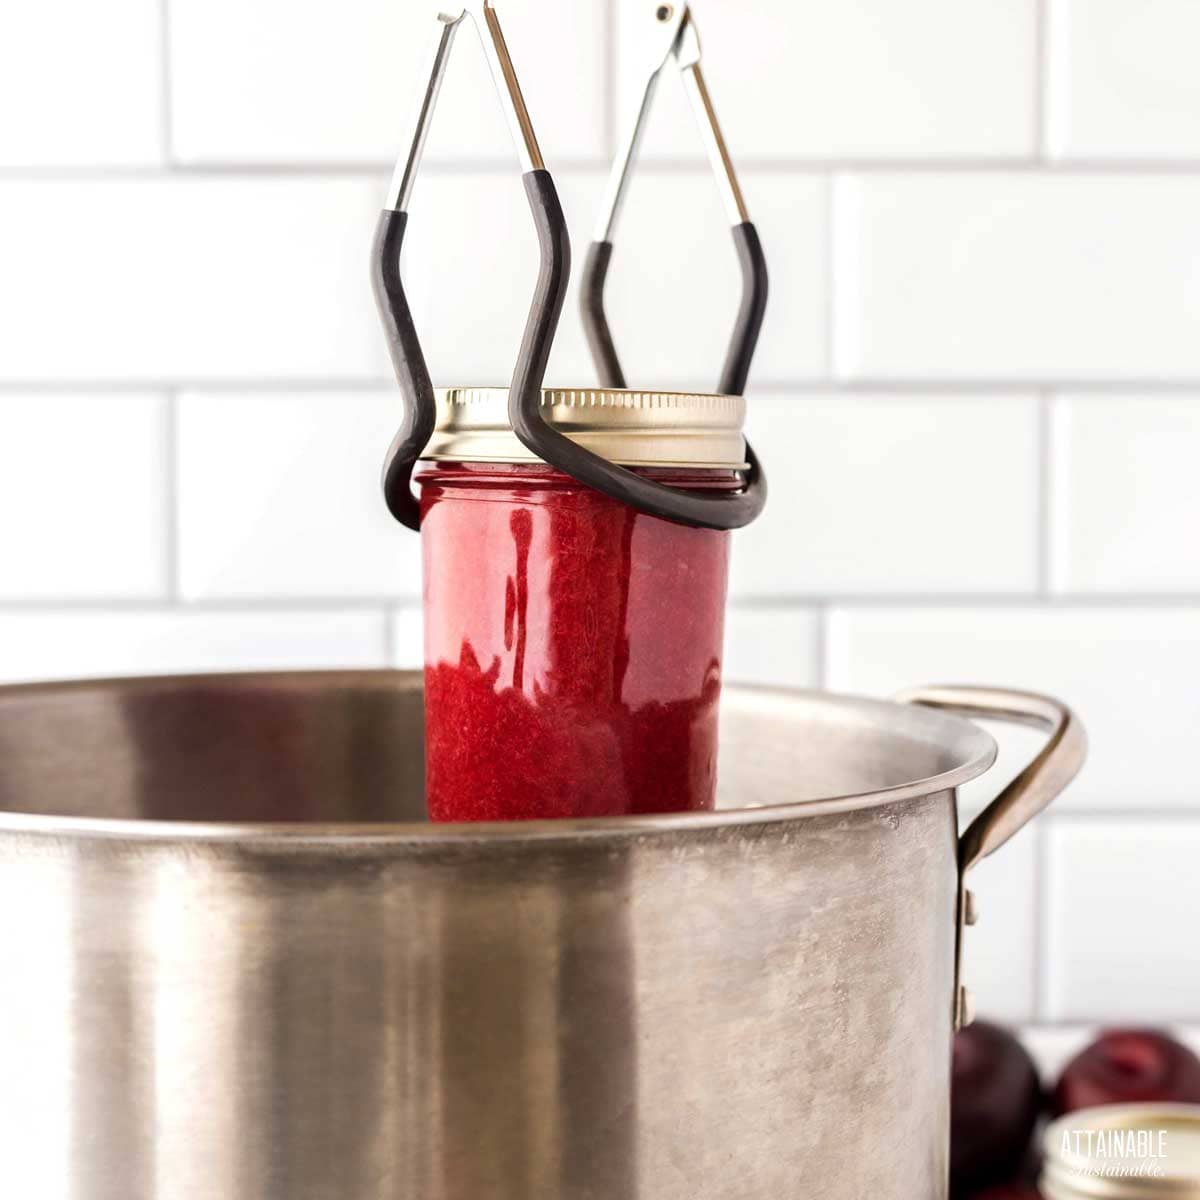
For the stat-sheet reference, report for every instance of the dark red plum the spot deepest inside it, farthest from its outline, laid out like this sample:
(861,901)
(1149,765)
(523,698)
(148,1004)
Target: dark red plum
(1129,1066)
(996,1097)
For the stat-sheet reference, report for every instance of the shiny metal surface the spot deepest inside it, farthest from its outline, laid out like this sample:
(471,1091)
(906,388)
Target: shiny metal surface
(668,34)
(647,429)
(709,127)
(1057,763)
(238,966)
(512,101)
(409,164)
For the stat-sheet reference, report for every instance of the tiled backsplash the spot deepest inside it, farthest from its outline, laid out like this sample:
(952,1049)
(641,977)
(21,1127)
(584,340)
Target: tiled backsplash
(978,391)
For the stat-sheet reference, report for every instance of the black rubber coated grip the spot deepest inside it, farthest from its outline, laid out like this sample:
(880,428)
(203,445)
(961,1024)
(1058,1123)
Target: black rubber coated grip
(705,509)
(595,322)
(709,510)
(750,314)
(712,510)
(746,328)
(408,360)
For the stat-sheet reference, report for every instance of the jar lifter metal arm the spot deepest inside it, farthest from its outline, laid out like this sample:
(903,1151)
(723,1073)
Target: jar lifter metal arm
(674,38)
(408,360)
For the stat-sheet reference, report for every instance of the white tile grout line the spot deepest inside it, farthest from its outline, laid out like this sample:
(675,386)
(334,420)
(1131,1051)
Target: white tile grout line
(100,606)
(610,78)
(1041,79)
(1046,947)
(171,484)
(1043,535)
(825,647)
(389,638)
(1185,811)
(380,168)
(267,386)
(826,604)
(1086,1028)
(1040,915)
(1056,65)
(1027,600)
(821,647)
(873,386)
(831,274)
(166,108)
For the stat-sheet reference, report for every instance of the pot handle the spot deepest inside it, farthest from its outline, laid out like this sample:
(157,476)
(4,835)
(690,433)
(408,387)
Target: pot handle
(1039,783)
(1034,788)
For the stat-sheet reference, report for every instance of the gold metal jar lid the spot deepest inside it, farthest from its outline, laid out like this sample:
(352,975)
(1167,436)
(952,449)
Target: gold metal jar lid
(1124,1152)
(635,429)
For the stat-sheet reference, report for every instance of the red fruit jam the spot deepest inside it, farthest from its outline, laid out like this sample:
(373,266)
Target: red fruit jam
(572,646)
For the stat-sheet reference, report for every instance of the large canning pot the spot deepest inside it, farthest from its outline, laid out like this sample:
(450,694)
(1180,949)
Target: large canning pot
(238,964)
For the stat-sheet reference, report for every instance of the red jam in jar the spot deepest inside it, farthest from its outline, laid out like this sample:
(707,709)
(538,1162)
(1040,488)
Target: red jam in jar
(572,644)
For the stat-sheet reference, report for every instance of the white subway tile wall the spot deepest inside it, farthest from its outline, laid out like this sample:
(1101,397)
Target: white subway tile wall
(776,646)
(1053,1046)
(1123,82)
(169,278)
(869,78)
(978,391)
(273,81)
(81,84)
(1125,489)
(63,644)
(1000,952)
(674,284)
(471,265)
(84,486)
(894,494)
(1131,673)
(306,465)
(1028,275)
(1121,903)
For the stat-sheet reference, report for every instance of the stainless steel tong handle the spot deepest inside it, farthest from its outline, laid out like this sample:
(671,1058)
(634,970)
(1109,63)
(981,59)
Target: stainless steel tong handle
(511,98)
(670,36)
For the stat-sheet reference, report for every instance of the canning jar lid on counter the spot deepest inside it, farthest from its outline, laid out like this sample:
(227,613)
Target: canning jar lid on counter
(1124,1152)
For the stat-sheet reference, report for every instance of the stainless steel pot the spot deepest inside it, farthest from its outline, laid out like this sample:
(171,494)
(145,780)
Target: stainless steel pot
(237,967)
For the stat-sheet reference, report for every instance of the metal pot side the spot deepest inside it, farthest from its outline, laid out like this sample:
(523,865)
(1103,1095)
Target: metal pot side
(238,967)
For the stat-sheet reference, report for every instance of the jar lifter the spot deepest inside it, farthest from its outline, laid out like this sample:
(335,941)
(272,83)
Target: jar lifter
(674,39)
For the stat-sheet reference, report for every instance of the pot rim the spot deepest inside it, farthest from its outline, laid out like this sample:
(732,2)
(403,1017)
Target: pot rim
(972,746)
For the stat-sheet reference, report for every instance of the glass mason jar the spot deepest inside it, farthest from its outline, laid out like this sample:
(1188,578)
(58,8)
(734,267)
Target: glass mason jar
(572,644)
(1123,1152)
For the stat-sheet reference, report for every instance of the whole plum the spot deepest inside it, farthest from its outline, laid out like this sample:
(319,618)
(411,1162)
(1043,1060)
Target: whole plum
(995,1101)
